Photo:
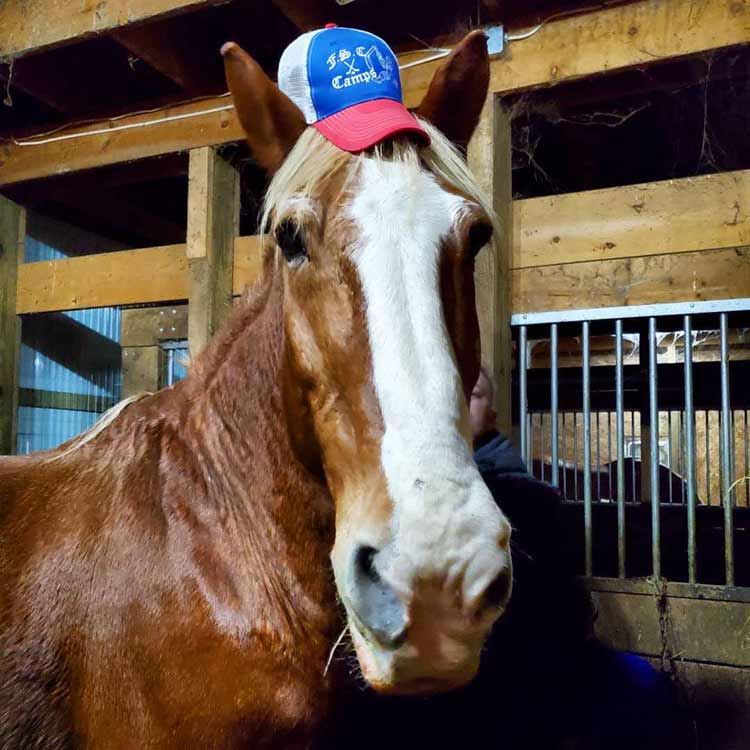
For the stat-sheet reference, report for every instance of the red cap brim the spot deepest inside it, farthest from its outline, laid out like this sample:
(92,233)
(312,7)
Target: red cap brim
(363,125)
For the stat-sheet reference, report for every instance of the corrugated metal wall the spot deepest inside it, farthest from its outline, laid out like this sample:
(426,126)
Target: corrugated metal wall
(70,366)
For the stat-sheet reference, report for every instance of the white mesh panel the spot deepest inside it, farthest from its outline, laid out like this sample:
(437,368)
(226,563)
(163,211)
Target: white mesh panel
(293,79)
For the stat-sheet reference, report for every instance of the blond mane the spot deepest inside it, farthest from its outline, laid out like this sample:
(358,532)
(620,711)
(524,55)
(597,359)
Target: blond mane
(314,161)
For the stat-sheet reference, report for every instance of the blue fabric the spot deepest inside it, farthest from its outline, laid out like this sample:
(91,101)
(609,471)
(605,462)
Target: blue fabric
(347,67)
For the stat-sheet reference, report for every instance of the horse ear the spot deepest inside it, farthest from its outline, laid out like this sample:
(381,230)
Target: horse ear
(270,119)
(454,100)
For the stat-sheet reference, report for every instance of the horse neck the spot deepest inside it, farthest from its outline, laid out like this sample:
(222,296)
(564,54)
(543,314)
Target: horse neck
(240,426)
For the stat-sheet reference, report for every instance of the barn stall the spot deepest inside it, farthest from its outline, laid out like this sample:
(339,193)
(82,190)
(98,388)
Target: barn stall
(614,313)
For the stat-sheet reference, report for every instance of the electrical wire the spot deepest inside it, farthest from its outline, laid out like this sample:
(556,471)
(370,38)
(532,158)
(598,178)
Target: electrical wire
(41,139)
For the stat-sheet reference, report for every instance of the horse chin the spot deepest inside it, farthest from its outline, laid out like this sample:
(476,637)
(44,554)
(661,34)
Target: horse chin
(400,671)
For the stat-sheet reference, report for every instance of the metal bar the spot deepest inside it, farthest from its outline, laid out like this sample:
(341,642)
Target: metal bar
(588,536)
(522,395)
(690,447)
(682,458)
(636,311)
(541,445)
(554,479)
(609,454)
(565,455)
(654,433)
(598,460)
(632,458)
(708,459)
(669,430)
(620,416)
(575,454)
(531,442)
(726,453)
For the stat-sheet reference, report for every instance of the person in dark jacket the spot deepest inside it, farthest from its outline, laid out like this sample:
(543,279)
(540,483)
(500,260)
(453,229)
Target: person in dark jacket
(599,698)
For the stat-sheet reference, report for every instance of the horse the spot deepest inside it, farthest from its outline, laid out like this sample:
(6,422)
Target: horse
(177,576)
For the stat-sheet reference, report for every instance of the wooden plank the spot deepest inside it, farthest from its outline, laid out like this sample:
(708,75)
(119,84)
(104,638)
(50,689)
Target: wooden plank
(698,213)
(679,277)
(160,274)
(12,233)
(123,278)
(147,326)
(719,698)
(490,159)
(176,48)
(141,369)
(700,630)
(248,262)
(612,39)
(129,277)
(32,25)
(212,225)
(150,134)
(66,401)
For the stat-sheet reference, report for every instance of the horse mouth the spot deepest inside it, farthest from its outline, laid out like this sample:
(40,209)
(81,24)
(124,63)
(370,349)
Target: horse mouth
(422,686)
(387,671)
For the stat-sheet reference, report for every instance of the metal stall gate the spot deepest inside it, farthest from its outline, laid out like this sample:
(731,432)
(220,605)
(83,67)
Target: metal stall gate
(640,416)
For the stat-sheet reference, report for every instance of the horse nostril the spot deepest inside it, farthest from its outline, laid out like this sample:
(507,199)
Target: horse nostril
(365,563)
(497,592)
(374,601)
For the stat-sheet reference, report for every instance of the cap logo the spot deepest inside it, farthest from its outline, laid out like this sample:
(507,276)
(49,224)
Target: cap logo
(361,66)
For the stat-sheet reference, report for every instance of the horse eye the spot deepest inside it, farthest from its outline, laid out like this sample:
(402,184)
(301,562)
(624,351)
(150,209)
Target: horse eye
(289,239)
(479,235)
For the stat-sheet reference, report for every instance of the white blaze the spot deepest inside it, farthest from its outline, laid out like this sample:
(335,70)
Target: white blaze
(446,525)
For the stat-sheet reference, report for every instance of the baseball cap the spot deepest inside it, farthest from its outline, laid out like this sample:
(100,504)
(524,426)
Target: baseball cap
(347,84)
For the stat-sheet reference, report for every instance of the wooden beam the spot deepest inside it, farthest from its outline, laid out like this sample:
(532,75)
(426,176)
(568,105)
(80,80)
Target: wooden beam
(160,274)
(148,275)
(213,224)
(12,232)
(490,159)
(613,39)
(141,140)
(148,326)
(248,262)
(31,25)
(141,369)
(678,277)
(699,213)
(67,401)
(306,15)
(123,278)
(174,49)
(706,630)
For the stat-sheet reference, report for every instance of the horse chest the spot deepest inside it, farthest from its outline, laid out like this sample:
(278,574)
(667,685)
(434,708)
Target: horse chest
(207,689)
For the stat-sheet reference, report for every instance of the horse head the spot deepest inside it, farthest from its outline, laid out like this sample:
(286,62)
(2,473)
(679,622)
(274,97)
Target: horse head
(377,255)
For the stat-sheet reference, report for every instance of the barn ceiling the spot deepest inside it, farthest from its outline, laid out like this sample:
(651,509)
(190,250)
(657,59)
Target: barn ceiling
(176,58)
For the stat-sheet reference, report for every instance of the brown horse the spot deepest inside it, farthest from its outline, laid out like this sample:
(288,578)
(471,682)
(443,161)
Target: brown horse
(170,579)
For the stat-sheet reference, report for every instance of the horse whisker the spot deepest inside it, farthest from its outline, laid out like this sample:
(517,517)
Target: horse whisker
(333,650)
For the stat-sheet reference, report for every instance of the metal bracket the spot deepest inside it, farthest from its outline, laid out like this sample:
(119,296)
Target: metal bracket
(495,39)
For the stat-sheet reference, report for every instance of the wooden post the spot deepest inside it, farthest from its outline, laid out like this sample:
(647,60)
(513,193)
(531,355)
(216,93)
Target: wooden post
(212,225)
(141,369)
(12,233)
(489,157)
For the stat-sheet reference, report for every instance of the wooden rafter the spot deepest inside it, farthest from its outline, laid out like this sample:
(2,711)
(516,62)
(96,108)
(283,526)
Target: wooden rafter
(174,49)
(32,25)
(606,40)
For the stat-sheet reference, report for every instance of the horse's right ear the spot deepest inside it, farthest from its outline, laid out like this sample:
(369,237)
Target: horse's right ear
(270,119)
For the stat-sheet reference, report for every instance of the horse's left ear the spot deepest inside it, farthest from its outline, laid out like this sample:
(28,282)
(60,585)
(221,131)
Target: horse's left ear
(454,100)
